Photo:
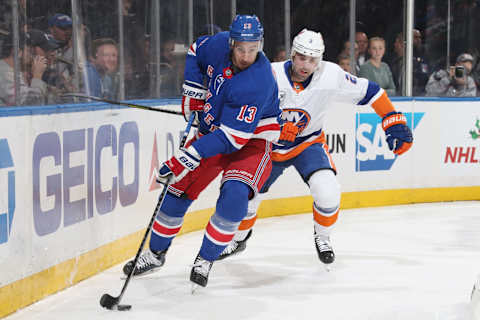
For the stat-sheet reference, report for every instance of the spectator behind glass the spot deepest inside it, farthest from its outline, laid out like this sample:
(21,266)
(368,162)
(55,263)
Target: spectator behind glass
(420,66)
(362,40)
(396,63)
(375,70)
(34,46)
(60,73)
(171,68)
(343,61)
(105,60)
(455,82)
(346,52)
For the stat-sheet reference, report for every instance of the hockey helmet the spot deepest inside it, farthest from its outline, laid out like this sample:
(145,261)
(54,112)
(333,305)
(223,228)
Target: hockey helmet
(246,28)
(308,43)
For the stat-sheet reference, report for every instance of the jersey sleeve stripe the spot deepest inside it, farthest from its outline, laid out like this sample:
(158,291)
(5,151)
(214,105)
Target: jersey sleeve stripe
(236,138)
(195,84)
(382,105)
(373,92)
(193,49)
(268,129)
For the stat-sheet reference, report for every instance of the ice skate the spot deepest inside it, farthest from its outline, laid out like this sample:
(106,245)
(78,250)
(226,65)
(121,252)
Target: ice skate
(235,247)
(199,274)
(324,249)
(148,262)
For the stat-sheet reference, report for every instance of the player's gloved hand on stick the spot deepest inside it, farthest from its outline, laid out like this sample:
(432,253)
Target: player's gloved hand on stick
(399,136)
(193,100)
(177,167)
(288,132)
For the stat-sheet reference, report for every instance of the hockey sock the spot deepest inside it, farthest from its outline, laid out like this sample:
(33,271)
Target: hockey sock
(324,219)
(230,210)
(249,221)
(168,222)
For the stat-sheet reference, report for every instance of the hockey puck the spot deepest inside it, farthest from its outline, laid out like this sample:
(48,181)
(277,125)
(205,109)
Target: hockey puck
(124,307)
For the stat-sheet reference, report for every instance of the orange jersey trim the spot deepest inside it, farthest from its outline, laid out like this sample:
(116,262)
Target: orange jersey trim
(298,87)
(299,149)
(383,105)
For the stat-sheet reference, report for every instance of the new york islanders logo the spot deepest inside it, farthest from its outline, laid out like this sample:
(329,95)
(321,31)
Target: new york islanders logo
(300,117)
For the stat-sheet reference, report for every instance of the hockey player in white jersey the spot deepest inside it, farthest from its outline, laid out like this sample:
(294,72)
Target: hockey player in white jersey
(308,87)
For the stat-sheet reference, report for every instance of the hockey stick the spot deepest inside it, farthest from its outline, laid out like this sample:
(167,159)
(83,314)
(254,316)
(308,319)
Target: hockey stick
(187,129)
(120,103)
(113,303)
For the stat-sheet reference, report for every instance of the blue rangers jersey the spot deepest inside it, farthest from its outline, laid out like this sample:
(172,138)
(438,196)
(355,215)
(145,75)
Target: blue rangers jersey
(239,106)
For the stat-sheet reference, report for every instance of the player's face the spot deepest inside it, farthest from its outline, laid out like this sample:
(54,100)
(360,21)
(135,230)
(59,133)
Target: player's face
(244,53)
(303,67)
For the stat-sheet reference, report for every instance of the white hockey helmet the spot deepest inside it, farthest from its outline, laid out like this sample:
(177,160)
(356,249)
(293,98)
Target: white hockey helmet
(309,43)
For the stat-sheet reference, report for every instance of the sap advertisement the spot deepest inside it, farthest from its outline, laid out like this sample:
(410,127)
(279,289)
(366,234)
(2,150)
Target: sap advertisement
(72,180)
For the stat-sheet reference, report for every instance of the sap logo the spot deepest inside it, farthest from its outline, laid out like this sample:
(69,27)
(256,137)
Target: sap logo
(7,183)
(300,117)
(371,148)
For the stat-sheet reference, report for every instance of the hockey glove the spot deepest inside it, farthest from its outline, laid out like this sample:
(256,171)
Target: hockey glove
(193,100)
(177,167)
(288,133)
(399,136)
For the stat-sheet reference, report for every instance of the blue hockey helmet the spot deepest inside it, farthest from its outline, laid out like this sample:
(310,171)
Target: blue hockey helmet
(246,28)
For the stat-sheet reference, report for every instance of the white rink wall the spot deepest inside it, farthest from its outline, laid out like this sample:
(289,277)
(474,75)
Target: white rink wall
(73,181)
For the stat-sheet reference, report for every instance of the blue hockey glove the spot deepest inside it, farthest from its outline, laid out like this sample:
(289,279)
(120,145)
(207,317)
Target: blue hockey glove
(177,167)
(399,136)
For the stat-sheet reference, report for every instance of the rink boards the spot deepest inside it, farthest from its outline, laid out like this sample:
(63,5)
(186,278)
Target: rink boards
(77,187)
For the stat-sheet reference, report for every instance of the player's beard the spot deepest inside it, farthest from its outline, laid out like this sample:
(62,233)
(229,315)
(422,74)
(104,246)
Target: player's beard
(300,74)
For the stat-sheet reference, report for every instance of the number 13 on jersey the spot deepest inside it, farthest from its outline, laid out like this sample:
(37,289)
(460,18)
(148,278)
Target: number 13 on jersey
(247,113)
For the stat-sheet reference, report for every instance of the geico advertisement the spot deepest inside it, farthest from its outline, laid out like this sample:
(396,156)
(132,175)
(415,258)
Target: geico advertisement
(78,172)
(67,189)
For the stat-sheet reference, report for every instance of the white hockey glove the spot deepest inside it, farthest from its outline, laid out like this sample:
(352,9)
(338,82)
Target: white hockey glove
(193,100)
(177,167)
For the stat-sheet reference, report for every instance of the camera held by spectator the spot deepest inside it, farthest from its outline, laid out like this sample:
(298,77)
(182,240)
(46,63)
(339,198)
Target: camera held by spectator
(454,82)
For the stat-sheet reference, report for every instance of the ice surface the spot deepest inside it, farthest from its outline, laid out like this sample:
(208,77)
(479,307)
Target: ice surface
(401,262)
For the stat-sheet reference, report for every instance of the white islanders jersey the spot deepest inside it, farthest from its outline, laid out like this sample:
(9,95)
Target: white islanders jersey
(307,107)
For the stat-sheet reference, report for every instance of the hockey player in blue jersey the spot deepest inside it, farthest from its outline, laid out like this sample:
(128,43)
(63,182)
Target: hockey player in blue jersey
(229,84)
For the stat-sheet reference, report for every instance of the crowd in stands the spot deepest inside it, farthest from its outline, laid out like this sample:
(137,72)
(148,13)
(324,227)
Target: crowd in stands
(459,80)
(52,65)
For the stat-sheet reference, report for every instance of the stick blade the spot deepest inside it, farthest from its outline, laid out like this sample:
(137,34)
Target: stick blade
(109,302)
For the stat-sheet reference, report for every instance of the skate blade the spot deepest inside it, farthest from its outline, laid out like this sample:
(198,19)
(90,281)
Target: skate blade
(140,276)
(328,267)
(194,288)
